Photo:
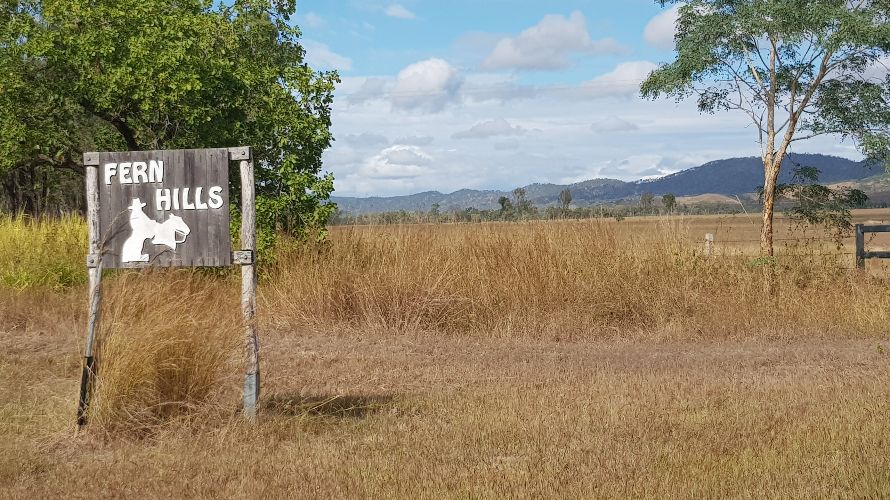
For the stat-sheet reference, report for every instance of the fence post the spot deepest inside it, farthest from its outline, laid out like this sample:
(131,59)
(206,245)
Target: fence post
(860,247)
(709,244)
(94,269)
(248,288)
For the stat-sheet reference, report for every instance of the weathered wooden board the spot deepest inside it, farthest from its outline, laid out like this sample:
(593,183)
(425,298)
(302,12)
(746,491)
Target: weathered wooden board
(164,208)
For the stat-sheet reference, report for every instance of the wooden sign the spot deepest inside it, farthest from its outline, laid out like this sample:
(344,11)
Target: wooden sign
(169,208)
(164,208)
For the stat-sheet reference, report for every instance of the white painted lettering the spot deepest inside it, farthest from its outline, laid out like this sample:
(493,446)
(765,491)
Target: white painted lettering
(124,171)
(162,199)
(140,172)
(215,194)
(186,204)
(110,171)
(189,198)
(199,204)
(155,171)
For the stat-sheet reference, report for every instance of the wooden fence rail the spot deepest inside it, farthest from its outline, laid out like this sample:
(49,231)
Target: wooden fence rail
(861,254)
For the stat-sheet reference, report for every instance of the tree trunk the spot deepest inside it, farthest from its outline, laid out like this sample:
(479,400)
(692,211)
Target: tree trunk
(43,203)
(26,188)
(771,176)
(11,193)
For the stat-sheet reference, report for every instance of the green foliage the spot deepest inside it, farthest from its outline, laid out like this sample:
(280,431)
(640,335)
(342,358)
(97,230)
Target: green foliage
(157,74)
(819,205)
(565,199)
(669,201)
(523,206)
(825,52)
(506,205)
(767,261)
(37,125)
(647,202)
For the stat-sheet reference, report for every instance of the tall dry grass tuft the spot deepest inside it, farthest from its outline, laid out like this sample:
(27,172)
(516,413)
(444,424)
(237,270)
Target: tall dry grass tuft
(563,280)
(168,340)
(42,253)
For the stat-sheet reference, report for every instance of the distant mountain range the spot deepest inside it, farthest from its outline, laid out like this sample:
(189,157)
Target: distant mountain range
(734,176)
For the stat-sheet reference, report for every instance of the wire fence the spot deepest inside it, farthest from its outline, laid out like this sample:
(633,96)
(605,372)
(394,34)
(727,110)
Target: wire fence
(843,253)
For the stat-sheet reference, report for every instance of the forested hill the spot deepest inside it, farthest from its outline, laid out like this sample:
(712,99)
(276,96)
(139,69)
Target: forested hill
(730,176)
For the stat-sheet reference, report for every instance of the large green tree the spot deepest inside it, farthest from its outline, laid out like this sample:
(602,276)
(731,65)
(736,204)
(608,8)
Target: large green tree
(796,68)
(158,74)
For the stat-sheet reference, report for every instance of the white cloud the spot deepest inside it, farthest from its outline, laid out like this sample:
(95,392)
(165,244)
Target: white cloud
(624,80)
(490,128)
(366,139)
(372,88)
(396,162)
(320,56)
(313,20)
(416,140)
(660,30)
(473,45)
(548,45)
(613,123)
(639,166)
(405,155)
(427,86)
(398,11)
(341,155)
(500,91)
(507,146)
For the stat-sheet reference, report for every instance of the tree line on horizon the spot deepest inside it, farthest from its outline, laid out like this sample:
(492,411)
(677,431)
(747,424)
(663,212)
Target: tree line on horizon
(803,200)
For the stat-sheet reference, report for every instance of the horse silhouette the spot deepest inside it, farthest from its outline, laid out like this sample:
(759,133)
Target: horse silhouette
(165,233)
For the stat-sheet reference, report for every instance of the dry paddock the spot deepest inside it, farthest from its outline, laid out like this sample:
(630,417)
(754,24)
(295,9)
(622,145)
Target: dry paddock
(650,395)
(393,416)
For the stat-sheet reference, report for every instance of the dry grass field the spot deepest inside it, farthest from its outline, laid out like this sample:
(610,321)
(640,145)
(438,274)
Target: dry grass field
(560,359)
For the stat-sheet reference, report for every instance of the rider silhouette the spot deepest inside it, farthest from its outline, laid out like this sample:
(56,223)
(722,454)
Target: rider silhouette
(143,228)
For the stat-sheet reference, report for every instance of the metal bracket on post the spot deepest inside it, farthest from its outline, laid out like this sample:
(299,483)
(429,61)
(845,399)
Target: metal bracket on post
(242,257)
(91,159)
(238,154)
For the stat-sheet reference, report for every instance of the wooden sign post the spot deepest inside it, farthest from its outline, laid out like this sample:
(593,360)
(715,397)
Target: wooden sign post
(169,208)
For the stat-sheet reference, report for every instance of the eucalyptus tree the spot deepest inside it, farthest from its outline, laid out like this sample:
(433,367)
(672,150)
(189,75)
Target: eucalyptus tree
(565,200)
(647,202)
(669,201)
(797,68)
(163,74)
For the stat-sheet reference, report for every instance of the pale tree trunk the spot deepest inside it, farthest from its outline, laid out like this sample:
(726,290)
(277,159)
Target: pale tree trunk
(771,176)
(771,163)
(771,166)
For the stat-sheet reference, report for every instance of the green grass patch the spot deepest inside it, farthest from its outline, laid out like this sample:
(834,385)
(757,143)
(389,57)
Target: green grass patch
(42,252)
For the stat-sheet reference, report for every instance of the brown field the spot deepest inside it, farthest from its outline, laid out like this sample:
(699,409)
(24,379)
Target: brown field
(560,359)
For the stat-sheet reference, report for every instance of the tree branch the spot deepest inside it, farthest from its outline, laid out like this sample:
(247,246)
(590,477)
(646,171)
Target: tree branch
(125,131)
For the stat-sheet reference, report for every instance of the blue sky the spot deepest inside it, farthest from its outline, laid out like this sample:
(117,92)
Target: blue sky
(494,94)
